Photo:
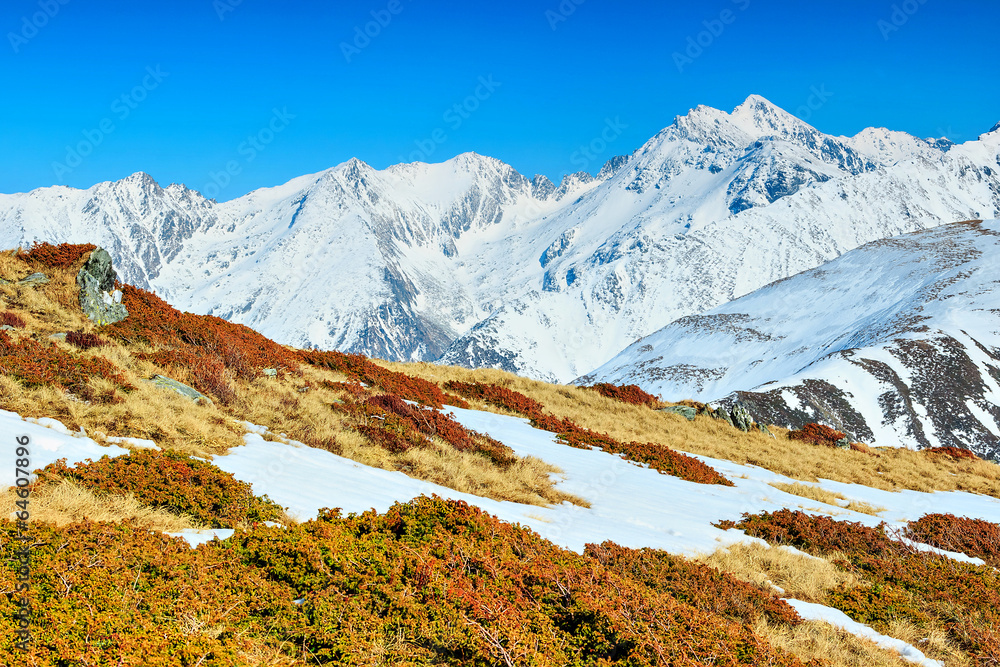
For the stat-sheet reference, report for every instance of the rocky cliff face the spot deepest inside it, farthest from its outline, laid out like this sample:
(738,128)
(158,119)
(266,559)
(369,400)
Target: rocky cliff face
(896,343)
(469,262)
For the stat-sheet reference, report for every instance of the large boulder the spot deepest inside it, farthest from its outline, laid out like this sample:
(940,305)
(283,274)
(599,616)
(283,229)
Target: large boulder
(723,414)
(742,419)
(100,301)
(34,280)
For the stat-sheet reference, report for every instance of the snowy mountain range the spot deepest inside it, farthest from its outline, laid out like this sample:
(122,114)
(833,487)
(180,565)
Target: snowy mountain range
(469,262)
(897,343)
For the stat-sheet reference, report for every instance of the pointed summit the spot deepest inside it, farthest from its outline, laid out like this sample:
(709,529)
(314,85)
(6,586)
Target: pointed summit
(758,116)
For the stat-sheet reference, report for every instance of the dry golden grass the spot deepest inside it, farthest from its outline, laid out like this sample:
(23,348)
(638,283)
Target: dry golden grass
(65,502)
(798,575)
(828,497)
(836,648)
(891,470)
(933,642)
(295,404)
(808,578)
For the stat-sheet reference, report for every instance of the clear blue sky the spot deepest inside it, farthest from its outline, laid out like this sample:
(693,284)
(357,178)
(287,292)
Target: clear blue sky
(558,71)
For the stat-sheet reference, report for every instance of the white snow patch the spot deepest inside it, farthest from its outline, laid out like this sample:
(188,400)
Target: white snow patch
(137,443)
(811,611)
(630,504)
(49,440)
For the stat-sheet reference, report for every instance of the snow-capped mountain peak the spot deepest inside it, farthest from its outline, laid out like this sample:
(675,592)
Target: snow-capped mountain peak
(760,118)
(471,262)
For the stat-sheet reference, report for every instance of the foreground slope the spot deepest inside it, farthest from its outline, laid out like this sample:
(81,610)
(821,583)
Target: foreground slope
(469,262)
(897,342)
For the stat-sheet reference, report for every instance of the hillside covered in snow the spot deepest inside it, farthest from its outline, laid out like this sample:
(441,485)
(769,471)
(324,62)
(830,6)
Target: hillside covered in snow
(897,343)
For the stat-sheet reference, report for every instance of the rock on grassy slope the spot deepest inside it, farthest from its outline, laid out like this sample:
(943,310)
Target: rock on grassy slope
(896,343)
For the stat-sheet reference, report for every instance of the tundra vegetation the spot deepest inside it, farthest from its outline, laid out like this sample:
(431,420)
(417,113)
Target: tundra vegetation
(429,581)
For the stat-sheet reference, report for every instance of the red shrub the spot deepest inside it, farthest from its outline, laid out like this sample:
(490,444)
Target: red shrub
(361,369)
(175,482)
(956,453)
(500,397)
(659,457)
(55,256)
(206,372)
(629,393)
(12,320)
(817,434)
(85,341)
(37,365)
(402,426)
(973,537)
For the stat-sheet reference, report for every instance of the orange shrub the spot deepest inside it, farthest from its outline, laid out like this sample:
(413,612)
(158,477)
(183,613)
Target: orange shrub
(174,482)
(55,256)
(973,537)
(353,388)
(239,348)
(817,434)
(956,453)
(12,320)
(697,584)
(428,582)
(630,393)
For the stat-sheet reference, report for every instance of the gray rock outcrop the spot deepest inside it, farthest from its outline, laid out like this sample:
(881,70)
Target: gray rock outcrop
(34,280)
(100,302)
(173,385)
(682,410)
(742,419)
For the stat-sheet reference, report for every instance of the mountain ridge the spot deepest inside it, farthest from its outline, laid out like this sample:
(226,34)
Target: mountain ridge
(470,262)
